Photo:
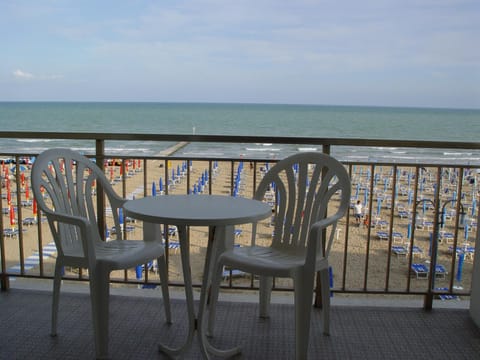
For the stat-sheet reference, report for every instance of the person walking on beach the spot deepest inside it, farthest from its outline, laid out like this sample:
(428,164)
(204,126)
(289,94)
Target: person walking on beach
(358,212)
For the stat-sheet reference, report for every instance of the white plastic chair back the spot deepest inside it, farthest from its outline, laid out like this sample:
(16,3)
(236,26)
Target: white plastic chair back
(307,188)
(65,183)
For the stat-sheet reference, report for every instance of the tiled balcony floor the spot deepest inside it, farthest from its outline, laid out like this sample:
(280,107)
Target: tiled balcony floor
(137,326)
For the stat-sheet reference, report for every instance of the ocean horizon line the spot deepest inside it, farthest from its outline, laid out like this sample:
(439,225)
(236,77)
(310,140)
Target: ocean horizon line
(226,103)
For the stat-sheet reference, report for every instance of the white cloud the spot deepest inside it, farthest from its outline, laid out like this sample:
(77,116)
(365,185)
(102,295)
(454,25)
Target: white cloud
(20,74)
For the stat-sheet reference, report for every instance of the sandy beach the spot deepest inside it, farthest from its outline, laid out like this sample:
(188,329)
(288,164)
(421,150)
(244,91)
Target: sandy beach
(359,258)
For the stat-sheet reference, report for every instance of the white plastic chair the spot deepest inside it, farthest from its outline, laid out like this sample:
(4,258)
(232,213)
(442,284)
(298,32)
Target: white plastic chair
(62,182)
(305,186)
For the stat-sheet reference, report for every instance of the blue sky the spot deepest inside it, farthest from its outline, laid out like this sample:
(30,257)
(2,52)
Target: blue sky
(372,52)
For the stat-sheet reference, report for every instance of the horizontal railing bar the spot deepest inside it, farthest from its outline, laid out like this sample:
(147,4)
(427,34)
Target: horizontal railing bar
(241,139)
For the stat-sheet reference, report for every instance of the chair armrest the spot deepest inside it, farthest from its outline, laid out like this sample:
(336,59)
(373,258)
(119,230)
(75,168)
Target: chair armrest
(82,223)
(315,237)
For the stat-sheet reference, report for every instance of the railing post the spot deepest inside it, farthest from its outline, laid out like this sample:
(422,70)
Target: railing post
(428,300)
(100,158)
(4,279)
(318,288)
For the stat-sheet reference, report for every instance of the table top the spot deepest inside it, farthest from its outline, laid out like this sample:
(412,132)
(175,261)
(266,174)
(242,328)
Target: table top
(197,210)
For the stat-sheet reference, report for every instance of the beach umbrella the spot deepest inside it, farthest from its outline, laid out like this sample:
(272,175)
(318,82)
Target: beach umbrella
(385,184)
(409,231)
(357,191)
(12,216)
(365,198)
(474,205)
(466,231)
(194,189)
(424,206)
(27,192)
(138,272)
(34,209)
(154,189)
(160,185)
(410,197)
(379,206)
(21,168)
(461,259)
(178,171)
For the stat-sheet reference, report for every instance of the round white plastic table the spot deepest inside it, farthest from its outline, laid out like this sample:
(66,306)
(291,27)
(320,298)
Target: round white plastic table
(220,213)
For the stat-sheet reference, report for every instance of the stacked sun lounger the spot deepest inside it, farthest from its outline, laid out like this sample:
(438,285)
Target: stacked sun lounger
(421,271)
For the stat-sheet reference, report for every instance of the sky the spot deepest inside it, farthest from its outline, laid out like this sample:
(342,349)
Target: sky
(413,53)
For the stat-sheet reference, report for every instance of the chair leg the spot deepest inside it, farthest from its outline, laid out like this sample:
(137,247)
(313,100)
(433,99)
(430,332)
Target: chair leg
(214,292)
(99,296)
(325,285)
(303,287)
(266,284)
(163,272)
(57,281)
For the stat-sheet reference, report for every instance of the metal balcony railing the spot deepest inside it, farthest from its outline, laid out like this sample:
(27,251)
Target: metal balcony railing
(419,218)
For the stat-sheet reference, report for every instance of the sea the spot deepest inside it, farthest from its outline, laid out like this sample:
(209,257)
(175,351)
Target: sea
(349,122)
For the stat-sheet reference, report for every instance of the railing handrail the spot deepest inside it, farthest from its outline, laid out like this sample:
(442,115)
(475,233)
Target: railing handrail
(440,144)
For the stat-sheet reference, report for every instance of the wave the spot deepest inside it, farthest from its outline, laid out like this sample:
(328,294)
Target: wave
(457,154)
(307,149)
(262,149)
(199,153)
(34,140)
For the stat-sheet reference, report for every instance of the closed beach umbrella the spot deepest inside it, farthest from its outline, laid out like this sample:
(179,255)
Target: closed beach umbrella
(474,205)
(461,259)
(120,216)
(160,184)
(12,216)
(409,231)
(379,206)
(34,209)
(466,231)
(27,192)
(154,189)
